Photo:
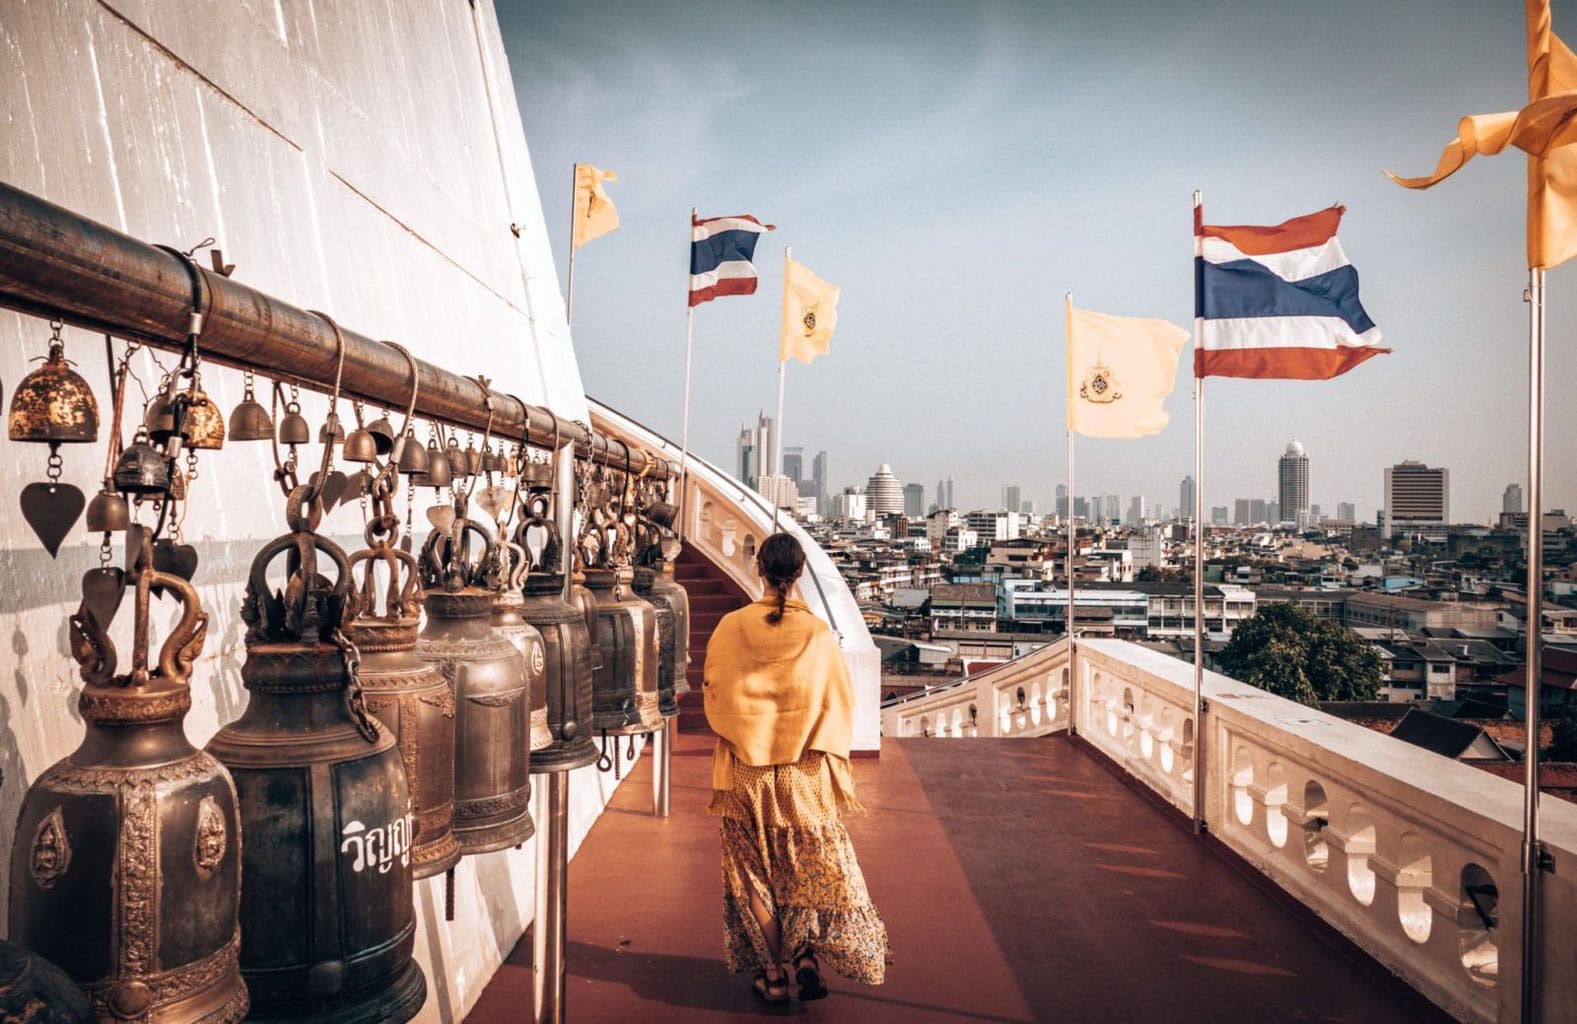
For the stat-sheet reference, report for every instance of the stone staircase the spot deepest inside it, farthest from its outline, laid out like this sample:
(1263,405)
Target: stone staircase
(712,595)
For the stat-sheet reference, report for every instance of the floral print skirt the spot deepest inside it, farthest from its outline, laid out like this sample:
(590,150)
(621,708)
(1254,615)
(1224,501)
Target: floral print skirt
(783,839)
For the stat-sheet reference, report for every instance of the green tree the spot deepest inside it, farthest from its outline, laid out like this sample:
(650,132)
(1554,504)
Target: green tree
(1296,655)
(1149,574)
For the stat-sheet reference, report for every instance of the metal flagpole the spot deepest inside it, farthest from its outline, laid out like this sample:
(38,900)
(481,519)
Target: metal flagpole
(1073,534)
(1533,857)
(684,430)
(569,283)
(1199,563)
(777,455)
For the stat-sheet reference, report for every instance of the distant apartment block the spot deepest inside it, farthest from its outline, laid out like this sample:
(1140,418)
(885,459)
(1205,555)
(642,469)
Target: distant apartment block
(1293,479)
(1416,496)
(914,500)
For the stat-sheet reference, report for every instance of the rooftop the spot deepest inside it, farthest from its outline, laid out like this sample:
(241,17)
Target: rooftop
(1020,879)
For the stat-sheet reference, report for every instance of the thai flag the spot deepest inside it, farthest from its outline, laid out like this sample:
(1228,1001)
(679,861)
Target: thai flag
(1278,302)
(720,252)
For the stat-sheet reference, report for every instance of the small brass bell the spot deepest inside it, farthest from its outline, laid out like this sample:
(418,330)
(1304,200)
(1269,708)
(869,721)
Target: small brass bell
(410,457)
(492,462)
(204,426)
(331,428)
(293,429)
(439,471)
(458,468)
(359,446)
(250,421)
(54,404)
(141,469)
(107,512)
(382,432)
(159,418)
(473,460)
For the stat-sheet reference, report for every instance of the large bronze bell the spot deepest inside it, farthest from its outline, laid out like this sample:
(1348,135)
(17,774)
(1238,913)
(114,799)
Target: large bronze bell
(658,587)
(54,404)
(327,923)
(566,639)
(508,621)
(624,688)
(408,694)
(488,678)
(126,869)
(249,421)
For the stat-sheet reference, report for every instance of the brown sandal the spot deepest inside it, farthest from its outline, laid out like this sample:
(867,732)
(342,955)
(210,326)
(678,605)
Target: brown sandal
(772,991)
(807,973)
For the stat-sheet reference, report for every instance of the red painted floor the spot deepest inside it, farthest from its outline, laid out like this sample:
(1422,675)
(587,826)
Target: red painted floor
(1020,881)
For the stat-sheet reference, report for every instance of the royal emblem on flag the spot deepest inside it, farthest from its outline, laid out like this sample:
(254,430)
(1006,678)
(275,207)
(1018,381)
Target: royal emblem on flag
(810,322)
(1099,385)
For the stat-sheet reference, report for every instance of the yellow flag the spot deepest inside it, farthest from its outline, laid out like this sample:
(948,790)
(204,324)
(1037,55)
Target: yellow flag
(1120,370)
(810,311)
(594,212)
(1544,129)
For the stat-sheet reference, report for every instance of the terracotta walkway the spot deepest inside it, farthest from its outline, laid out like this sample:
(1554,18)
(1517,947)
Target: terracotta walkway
(1020,880)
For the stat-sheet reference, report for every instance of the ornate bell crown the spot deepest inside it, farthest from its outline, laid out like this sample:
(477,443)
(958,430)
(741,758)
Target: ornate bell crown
(311,608)
(402,593)
(448,562)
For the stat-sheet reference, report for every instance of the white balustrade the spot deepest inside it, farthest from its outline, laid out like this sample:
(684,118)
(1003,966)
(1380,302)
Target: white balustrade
(1027,696)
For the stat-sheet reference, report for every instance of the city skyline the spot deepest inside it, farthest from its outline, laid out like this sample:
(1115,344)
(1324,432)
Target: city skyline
(911,144)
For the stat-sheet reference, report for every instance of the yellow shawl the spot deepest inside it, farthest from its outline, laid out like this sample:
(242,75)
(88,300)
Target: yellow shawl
(775,691)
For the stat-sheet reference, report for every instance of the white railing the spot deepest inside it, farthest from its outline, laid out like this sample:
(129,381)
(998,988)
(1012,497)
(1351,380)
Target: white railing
(1027,696)
(1413,856)
(726,522)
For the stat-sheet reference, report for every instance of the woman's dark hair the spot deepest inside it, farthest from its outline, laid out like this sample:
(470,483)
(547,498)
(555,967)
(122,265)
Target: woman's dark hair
(781,560)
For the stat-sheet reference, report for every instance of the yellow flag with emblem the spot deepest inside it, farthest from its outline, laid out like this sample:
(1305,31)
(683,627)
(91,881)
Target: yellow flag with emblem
(1120,370)
(594,212)
(810,311)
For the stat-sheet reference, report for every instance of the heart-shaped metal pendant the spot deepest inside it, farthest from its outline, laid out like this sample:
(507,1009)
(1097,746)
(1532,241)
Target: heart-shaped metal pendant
(52,510)
(356,485)
(174,559)
(442,517)
(102,590)
(493,499)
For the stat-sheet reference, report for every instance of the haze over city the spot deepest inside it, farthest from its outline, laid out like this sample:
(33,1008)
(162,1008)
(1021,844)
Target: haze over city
(956,171)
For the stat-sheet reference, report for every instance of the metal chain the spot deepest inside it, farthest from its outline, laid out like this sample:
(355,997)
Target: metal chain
(354,698)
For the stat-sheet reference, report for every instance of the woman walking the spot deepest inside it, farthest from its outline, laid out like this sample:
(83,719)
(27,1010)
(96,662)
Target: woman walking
(779,698)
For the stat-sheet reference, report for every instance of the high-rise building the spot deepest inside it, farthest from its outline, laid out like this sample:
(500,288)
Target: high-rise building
(757,450)
(1081,507)
(914,500)
(1218,515)
(849,507)
(1240,512)
(1511,498)
(1135,511)
(1012,497)
(1062,500)
(818,475)
(1294,479)
(944,493)
(794,464)
(884,493)
(1258,512)
(1111,508)
(1185,498)
(1415,495)
(1273,512)
(1347,511)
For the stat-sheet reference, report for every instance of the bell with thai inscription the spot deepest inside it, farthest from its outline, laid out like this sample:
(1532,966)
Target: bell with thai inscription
(408,694)
(509,622)
(488,678)
(126,868)
(327,922)
(566,640)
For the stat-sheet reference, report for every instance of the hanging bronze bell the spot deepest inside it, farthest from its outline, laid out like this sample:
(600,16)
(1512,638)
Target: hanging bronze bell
(159,417)
(409,695)
(126,870)
(331,431)
(293,427)
(359,446)
(141,468)
(382,432)
(54,404)
(492,462)
(488,678)
(439,473)
(327,921)
(459,469)
(35,991)
(204,426)
(658,587)
(409,456)
(624,688)
(473,460)
(510,624)
(249,421)
(107,512)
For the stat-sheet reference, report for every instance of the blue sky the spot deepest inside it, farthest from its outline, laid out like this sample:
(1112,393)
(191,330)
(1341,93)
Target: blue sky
(957,167)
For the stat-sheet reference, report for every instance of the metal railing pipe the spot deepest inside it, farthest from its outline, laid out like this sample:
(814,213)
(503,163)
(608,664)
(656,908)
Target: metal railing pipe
(58,264)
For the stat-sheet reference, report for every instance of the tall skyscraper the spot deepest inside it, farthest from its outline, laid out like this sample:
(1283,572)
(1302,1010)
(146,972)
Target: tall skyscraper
(818,474)
(756,450)
(1111,508)
(794,464)
(883,492)
(1415,495)
(914,500)
(1294,478)
(1012,497)
(944,493)
(1346,510)
(1185,498)
(1062,500)
(747,455)
(1240,512)
(1511,498)
(1135,511)
(1257,512)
